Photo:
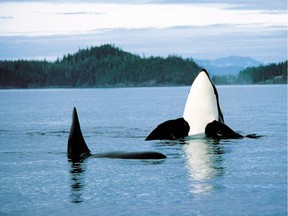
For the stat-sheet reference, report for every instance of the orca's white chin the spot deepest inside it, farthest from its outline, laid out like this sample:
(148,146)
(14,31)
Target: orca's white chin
(202,105)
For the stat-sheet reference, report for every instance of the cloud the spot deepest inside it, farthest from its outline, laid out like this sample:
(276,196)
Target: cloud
(208,42)
(66,18)
(37,30)
(6,17)
(236,4)
(79,13)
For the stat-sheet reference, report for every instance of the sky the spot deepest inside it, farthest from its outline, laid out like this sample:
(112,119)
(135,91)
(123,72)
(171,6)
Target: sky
(207,29)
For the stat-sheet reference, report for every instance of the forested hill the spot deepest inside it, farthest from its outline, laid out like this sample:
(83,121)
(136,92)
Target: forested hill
(109,66)
(102,66)
(270,74)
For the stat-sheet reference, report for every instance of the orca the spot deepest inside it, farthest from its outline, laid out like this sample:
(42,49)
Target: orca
(202,105)
(202,115)
(77,149)
(217,129)
(170,130)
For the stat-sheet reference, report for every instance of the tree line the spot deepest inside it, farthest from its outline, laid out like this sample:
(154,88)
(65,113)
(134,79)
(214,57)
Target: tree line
(270,74)
(109,66)
(98,67)
(263,74)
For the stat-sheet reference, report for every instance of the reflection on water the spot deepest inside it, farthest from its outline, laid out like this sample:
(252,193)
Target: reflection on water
(204,162)
(77,181)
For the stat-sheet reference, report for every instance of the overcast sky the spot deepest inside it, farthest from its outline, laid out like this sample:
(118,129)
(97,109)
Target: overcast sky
(190,28)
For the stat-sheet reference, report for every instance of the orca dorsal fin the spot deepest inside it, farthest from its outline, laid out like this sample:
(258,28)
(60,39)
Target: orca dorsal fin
(77,148)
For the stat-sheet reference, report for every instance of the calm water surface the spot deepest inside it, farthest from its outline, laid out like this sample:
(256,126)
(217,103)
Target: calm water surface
(199,177)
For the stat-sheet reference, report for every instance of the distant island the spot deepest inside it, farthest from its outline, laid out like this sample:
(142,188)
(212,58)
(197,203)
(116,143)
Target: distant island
(109,66)
(231,65)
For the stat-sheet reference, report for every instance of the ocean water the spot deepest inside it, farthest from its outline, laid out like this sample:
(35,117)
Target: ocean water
(199,176)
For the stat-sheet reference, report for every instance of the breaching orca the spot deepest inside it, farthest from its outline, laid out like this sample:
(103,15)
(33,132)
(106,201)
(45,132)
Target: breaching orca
(77,149)
(202,115)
